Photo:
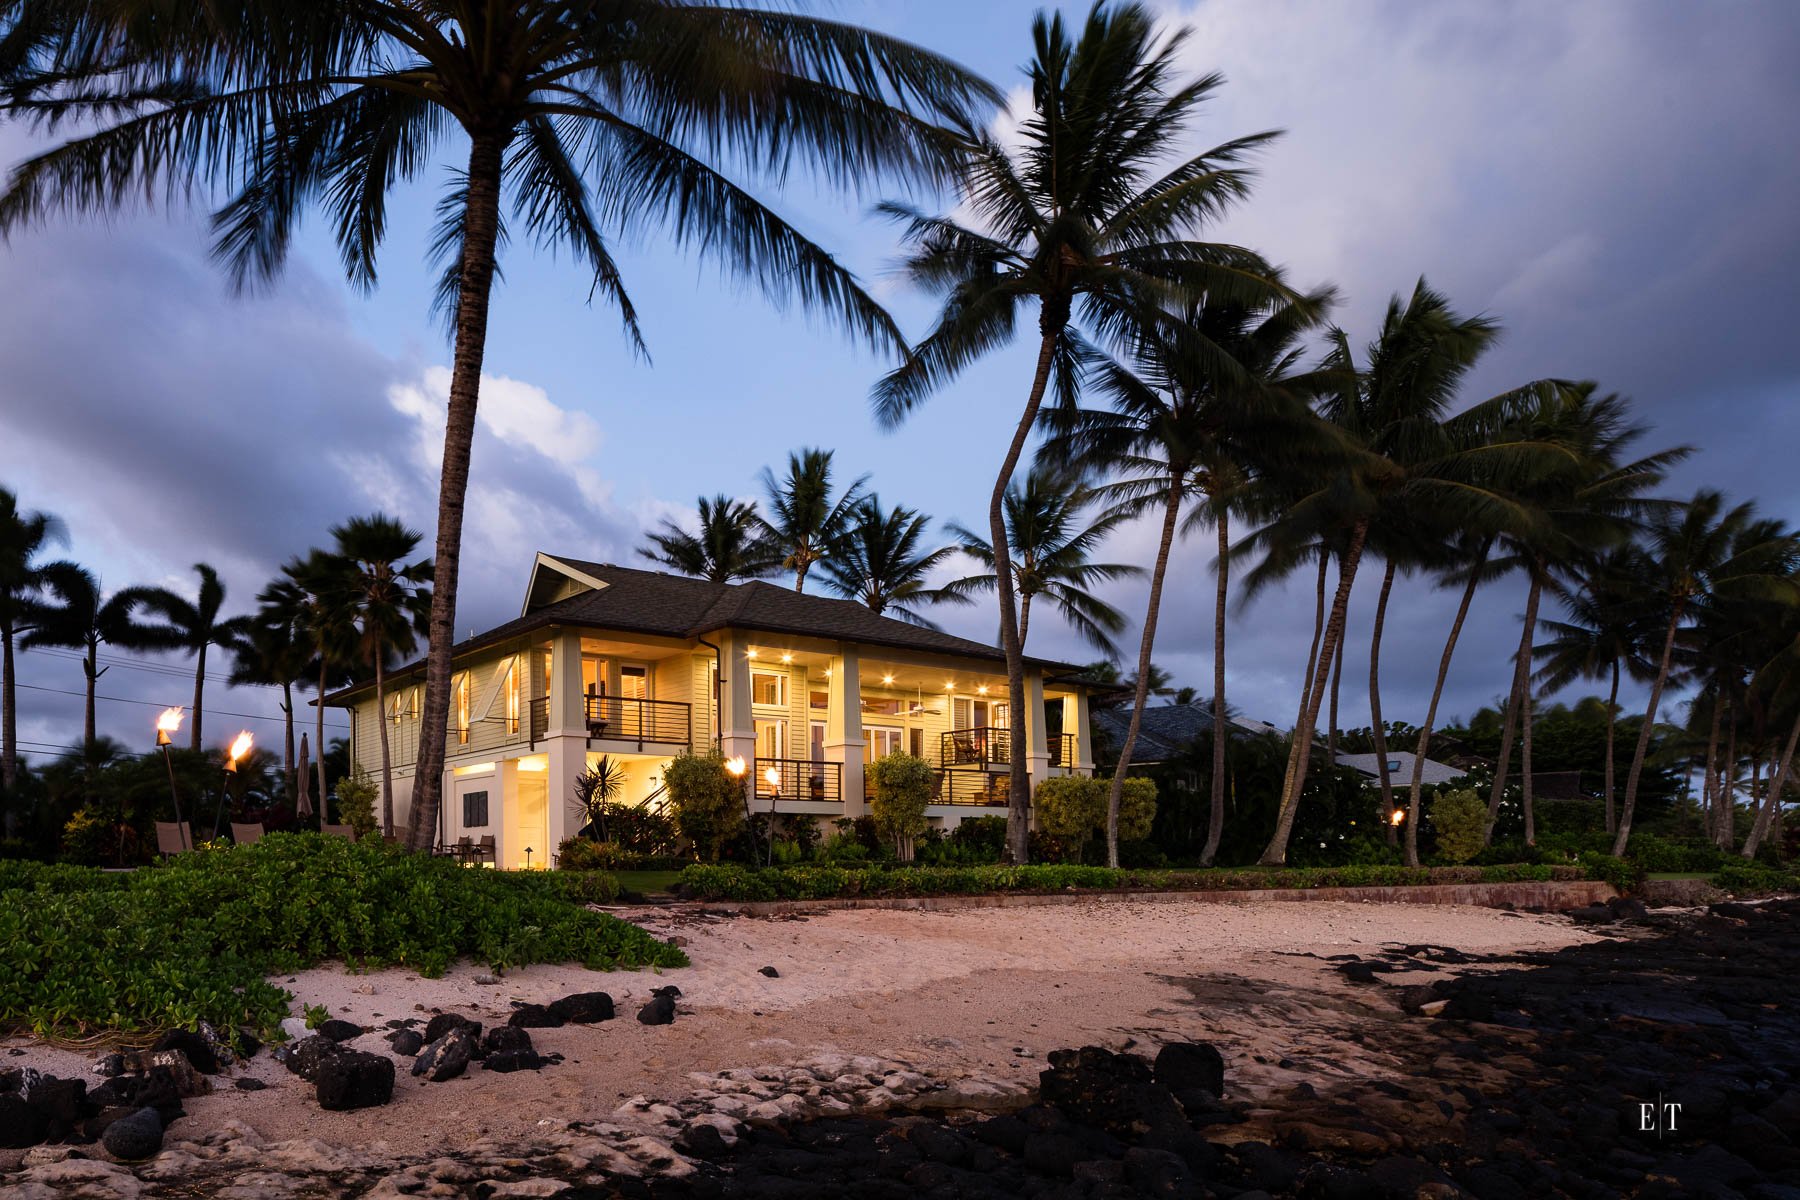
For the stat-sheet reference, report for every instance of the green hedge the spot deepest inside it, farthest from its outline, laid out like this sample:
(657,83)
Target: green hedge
(171,946)
(731,882)
(1754,879)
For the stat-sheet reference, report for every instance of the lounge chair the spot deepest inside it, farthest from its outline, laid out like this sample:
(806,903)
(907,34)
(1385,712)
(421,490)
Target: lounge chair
(347,832)
(244,835)
(172,838)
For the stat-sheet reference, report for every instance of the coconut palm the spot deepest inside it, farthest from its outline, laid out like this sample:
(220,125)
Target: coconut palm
(1207,403)
(77,617)
(194,627)
(731,543)
(1051,537)
(1696,552)
(387,601)
(24,535)
(1083,215)
(883,560)
(1601,636)
(806,522)
(306,600)
(276,653)
(599,119)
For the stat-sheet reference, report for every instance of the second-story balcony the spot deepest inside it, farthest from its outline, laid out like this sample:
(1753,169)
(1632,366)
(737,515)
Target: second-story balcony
(799,779)
(982,747)
(660,723)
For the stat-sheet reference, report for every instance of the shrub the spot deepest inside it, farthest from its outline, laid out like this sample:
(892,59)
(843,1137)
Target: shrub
(1753,879)
(356,795)
(1622,873)
(197,939)
(903,786)
(1073,808)
(708,801)
(1459,819)
(589,887)
(985,836)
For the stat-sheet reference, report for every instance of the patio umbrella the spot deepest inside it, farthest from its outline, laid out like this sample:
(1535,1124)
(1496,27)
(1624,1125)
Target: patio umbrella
(303,793)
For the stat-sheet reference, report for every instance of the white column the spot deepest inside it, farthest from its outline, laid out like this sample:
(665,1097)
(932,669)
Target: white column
(567,710)
(1075,721)
(843,728)
(1037,743)
(736,719)
(568,758)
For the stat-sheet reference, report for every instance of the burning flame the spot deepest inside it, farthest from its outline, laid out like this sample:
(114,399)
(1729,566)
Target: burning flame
(169,720)
(240,745)
(735,764)
(1397,817)
(772,777)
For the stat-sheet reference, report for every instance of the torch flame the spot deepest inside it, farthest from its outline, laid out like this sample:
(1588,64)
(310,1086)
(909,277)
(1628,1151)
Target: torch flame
(772,776)
(240,745)
(1398,816)
(169,720)
(735,764)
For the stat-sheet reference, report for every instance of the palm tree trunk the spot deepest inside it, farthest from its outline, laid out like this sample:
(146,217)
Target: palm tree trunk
(319,743)
(1171,515)
(1725,794)
(199,697)
(1437,694)
(1643,745)
(1024,619)
(1331,723)
(1275,854)
(387,762)
(481,225)
(1709,779)
(1769,813)
(1612,720)
(1516,704)
(287,749)
(90,667)
(9,727)
(1215,819)
(1375,727)
(1306,676)
(1051,320)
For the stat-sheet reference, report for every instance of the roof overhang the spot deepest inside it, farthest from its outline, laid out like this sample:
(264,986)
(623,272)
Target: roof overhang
(546,572)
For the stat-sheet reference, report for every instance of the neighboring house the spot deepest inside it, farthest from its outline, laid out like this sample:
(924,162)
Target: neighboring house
(1167,731)
(641,666)
(1400,768)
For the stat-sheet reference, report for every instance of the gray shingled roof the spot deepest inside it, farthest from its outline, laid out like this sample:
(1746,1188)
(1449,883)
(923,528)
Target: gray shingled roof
(1167,730)
(652,602)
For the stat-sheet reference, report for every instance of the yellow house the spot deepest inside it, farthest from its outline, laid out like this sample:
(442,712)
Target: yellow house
(641,666)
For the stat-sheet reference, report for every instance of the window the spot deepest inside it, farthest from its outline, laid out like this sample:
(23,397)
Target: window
(819,700)
(766,687)
(915,739)
(634,682)
(816,741)
(475,810)
(771,739)
(881,706)
(879,742)
(510,690)
(1393,764)
(396,704)
(593,675)
(462,711)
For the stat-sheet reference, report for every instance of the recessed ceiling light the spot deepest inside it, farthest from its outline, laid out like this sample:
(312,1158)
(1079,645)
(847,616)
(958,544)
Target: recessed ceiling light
(887,679)
(787,658)
(982,689)
(750,653)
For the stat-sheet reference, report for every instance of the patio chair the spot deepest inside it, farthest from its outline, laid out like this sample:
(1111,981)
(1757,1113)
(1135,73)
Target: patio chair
(484,849)
(347,832)
(964,748)
(463,850)
(172,838)
(244,835)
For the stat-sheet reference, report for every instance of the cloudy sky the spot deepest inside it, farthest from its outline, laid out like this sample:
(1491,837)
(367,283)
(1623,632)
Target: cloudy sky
(1614,181)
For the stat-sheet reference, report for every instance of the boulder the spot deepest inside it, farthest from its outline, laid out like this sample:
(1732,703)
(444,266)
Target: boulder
(108,1065)
(1590,914)
(62,1101)
(771,972)
(340,1031)
(303,1057)
(199,1051)
(408,1042)
(444,1022)
(1114,1092)
(1185,1066)
(21,1124)
(1159,1173)
(502,1038)
(133,1137)
(354,1079)
(174,1063)
(582,1008)
(448,1056)
(246,1084)
(659,1011)
(153,1089)
(534,1016)
(506,1061)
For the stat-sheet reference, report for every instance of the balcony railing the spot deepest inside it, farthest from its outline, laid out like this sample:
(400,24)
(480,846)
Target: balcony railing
(1062,750)
(800,779)
(623,719)
(983,746)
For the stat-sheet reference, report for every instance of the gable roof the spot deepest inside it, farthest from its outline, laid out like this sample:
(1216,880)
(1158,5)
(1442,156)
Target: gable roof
(1168,730)
(630,600)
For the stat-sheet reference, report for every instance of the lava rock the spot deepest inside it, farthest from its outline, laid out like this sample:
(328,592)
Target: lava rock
(448,1056)
(503,1038)
(21,1124)
(340,1031)
(408,1042)
(1159,1173)
(534,1016)
(137,1136)
(355,1079)
(109,1065)
(1117,1093)
(582,1008)
(443,1023)
(154,1089)
(506,1061)
(304,1057)
(659,1011)
(940,1144)
(1626,908)
(1052,1154)
(771,972)
(199,1051)
(1590,914)
(246,1084)
(1184,1066)
(671,991)
(703,1141)
(62,1101)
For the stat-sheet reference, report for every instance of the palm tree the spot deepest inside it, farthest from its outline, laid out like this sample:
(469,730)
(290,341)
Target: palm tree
(191,626)
(882,560)
(387,600)
(306,602)
(1601,637)
(1696,552)
(23,537)
(276,653)
(599,119)
(730,544)
(79,619)
(807,521)
(1208,403)
(1050,540)
(1083,212)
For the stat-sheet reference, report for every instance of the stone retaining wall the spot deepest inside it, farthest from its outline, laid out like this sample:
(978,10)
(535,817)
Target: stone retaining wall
(1554,896)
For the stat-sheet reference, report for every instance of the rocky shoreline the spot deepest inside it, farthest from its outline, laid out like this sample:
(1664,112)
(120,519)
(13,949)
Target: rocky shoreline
(1442,1074)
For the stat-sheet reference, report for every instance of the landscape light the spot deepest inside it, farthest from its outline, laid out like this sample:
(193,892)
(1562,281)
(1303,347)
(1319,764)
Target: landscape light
(239,749)
(167,722)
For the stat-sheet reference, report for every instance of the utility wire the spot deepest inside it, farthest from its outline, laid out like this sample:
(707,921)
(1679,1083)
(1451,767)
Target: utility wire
(223,712)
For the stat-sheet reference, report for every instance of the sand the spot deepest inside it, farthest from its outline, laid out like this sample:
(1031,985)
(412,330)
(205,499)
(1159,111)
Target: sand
(984,991)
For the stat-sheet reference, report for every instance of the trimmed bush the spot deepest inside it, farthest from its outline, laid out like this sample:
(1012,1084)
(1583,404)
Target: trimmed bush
(1754,879)
(1073,808)
(1459,819)
(903,787)
(708,801)
(356,797)
(195,940)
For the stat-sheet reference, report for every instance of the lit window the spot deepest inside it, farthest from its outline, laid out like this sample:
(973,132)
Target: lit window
(766,687)
(462,711)
(511,689)
(1393,764)
(818,699)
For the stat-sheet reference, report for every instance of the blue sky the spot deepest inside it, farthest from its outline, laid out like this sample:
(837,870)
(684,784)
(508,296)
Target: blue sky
(1614,181)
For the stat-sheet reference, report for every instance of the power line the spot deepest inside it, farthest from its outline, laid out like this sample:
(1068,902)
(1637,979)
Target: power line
(153,668)
(222,712)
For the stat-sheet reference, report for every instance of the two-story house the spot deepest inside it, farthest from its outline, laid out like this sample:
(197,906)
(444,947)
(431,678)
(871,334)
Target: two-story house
(641,666)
